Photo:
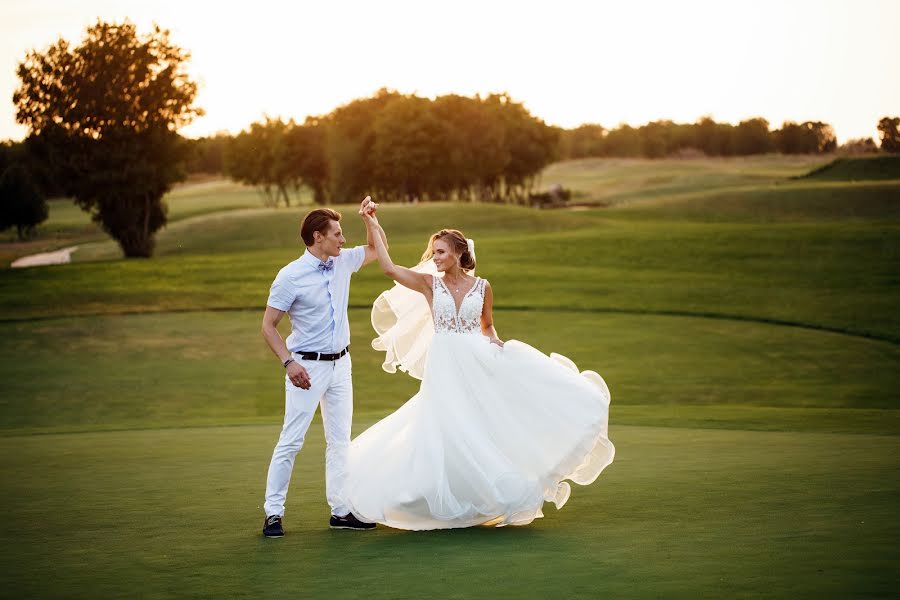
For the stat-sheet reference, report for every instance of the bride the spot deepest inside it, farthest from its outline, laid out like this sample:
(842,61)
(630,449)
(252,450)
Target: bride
(495,428)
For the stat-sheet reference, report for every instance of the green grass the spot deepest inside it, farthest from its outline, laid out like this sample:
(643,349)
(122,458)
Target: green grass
(202,368)
(777,203)
(869,168)
(746,323)
(625,180)
(681,513)
(68,225)
(839,276)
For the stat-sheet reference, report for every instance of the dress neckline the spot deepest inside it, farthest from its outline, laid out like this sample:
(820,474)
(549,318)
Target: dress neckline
(463,299)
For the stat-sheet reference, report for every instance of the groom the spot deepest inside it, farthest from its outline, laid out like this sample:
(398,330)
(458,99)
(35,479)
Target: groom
(313,291)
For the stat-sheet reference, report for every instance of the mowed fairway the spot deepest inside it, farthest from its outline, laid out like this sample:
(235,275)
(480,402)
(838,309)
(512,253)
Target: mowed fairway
(682,512)
(746,324)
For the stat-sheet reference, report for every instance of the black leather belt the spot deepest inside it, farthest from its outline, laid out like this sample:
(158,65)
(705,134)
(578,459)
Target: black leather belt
(320,356)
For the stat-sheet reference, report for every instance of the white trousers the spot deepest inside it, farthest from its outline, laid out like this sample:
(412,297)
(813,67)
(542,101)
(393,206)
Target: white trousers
(332,387)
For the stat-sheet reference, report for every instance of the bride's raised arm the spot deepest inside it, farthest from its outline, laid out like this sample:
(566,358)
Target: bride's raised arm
(420,282)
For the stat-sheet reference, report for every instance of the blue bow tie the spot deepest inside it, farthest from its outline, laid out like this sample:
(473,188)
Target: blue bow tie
(326,266)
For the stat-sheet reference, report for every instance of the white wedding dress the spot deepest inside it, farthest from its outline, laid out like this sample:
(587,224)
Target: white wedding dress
(492,433)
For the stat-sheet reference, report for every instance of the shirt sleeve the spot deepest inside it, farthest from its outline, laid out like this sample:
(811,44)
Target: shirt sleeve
(282,294)
(355,257)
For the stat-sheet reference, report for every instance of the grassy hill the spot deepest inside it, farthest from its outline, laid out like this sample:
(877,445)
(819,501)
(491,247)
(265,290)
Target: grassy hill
(611,182)
(868,168)
(779,259)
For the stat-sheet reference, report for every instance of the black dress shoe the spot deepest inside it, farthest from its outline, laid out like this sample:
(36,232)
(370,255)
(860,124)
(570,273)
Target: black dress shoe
(349,522)
(272,527)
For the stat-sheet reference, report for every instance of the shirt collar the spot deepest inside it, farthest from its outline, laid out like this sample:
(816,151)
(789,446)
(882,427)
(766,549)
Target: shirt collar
(309,259)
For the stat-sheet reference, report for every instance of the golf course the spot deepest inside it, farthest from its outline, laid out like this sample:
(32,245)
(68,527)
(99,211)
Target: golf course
(744,312)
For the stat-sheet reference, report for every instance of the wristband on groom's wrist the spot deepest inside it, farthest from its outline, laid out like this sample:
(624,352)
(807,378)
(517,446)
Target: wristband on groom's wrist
(287,362)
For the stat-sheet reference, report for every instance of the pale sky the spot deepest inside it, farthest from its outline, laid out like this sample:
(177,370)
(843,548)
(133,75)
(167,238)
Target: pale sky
(570,62)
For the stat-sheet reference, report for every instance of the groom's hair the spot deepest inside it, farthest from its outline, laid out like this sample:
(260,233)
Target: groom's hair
(317,220)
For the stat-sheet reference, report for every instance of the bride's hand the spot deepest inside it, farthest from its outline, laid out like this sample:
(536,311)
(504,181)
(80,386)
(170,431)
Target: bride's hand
(369,217)
(367,207)
(497,341)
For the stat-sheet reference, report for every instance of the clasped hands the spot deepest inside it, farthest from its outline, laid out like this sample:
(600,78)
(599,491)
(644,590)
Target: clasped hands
(367,209)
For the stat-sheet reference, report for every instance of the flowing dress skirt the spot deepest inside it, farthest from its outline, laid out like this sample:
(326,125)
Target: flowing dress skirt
(491,435)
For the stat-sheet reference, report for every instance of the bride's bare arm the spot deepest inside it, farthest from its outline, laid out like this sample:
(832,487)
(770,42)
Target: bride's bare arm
(487,316)
(420,282)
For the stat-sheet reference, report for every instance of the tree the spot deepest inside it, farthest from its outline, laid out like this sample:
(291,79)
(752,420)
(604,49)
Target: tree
(583,141)
(207,154)
(654,138)
(890,134)
(624,140)
(10,153)
(349,146)
(21,204)
(103,116)
(259,157)
(406,157)
(472,145)
(715,139)
(753,137)
(826,140)
(305,145)
(809,137)
(277,156)
(859,146)
(531,144)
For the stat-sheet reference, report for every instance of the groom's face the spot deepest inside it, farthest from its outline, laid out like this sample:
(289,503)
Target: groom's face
(333,240)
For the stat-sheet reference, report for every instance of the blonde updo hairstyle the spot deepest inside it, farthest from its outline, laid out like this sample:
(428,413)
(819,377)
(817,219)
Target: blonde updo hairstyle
(457,242)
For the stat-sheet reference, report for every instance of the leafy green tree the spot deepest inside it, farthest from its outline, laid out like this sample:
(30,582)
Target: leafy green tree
(859,146)
(889,128)
(406,159)
(274,159)
(350,142)
(207,154)
(752,136)
(531,144)
(103,116)
(244,160)
(21,204)
(472,147)
(624,141)
(583,141)
(278,157)
(809,137)
(305,147)
(255,157)
(655,138)
(715,139)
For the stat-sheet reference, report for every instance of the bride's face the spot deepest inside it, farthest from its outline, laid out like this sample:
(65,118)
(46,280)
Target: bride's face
(444,258)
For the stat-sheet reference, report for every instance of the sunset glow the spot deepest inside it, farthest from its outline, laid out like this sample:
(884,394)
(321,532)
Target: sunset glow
(569,62)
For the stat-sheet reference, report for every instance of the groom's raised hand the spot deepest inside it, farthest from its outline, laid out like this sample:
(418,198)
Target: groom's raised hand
(367,207)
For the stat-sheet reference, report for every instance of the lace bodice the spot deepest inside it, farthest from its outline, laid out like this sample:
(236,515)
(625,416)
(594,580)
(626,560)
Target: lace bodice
(443,306)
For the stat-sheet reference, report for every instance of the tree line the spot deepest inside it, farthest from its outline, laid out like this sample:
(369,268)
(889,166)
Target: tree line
(752,136)
(399,148)
(404,147)
(665,138)
(103,119)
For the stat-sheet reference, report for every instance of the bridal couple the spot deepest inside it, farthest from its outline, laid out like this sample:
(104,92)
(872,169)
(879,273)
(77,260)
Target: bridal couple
(493,432)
